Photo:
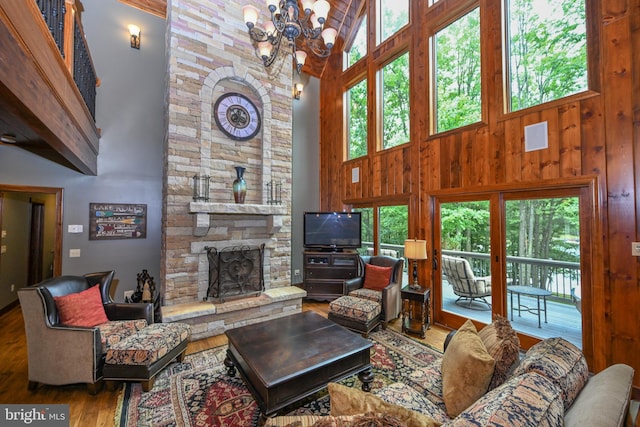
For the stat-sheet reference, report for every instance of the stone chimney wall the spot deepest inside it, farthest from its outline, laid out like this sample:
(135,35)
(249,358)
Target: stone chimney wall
(209,53)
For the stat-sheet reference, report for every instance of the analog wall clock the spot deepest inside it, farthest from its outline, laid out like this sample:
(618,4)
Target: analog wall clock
(237,116)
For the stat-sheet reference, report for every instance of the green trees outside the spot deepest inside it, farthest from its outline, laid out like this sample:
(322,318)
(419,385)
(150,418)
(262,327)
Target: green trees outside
(542,229)
(457,73)
(547,50)
(395,102)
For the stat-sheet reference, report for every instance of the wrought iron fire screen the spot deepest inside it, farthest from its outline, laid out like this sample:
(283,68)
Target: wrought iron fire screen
(235,271)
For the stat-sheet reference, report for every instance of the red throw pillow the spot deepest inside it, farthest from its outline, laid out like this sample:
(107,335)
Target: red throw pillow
(82,308)
(376,277)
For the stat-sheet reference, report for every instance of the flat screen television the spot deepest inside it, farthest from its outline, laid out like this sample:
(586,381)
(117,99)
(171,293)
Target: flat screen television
(332,231)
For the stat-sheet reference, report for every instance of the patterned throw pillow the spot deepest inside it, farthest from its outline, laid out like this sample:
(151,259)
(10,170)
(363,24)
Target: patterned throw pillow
(503,345)
(352,401)
(82,308)
(560,361)
(376,277)
(467,369)
(523,401)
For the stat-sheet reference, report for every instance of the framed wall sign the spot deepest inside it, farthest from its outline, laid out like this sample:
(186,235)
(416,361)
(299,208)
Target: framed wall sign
(109,221)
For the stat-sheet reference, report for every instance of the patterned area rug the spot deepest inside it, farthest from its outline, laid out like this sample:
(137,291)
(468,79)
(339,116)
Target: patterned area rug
(198,392)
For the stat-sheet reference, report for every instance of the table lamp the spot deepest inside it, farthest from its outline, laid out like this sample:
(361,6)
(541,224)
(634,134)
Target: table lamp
(415,249)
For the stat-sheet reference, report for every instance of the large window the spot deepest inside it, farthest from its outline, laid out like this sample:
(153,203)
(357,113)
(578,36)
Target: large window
(392,15)
(547,50)
(457,73)
(537,284)
(358,47)
(357,120)
(395,102)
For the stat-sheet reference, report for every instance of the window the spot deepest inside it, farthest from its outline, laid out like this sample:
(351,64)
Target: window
(358,47)
(457,73)
(392,230)
(357,120)
(395,102)
(392,15)
(538,283)
(547,50)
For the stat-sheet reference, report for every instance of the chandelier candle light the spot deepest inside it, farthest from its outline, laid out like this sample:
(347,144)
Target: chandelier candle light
(415,249)
(288,22)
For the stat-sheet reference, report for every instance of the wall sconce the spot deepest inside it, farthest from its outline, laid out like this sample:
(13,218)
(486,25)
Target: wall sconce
(134,31)
(415,249)
(297,90)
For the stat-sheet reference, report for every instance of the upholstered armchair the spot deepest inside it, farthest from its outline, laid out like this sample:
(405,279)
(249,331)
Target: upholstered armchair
(61,354)
(465,284)
(387,292)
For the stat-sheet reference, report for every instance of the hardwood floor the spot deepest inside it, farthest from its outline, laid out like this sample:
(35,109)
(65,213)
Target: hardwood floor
(99,410)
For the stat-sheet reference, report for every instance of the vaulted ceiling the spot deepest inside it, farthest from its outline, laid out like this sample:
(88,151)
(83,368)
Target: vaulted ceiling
(341,17)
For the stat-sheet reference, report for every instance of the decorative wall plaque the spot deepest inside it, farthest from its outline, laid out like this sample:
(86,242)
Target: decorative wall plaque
(109,221)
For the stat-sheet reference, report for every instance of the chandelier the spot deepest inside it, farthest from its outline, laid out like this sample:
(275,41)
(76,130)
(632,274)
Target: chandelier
(287,22)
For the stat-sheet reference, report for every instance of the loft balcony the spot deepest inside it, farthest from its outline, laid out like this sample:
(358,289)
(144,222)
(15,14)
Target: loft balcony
(48,82)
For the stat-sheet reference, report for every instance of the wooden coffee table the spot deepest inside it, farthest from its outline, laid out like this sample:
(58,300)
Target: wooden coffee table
(286,359)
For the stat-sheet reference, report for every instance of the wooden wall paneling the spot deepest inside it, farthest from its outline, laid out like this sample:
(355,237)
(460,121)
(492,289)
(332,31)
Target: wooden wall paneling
(430,163)
(443,175)
(550,158)
(531,160)
(593,162)
(466,158)
(407,171)
(398,170)
(513,149)
(481,156)
(621,210)
(376,177)
(569,140)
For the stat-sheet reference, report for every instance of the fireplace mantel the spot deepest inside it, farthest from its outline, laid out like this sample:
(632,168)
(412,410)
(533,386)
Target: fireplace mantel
(203,210)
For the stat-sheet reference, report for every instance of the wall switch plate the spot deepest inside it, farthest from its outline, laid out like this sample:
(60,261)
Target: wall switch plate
(75,228)
(3,249)
(74,253)
(4,233)
(13,287)
(635,248)
(296,272)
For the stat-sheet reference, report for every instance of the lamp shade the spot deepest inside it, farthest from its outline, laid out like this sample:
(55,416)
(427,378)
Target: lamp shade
(415,249)
(250,14)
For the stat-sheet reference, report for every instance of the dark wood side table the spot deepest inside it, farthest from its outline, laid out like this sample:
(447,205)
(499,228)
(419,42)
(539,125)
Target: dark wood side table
(411,322)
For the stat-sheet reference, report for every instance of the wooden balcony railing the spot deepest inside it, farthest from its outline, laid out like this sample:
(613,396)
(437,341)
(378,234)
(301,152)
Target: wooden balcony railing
(48,82)
(66,30)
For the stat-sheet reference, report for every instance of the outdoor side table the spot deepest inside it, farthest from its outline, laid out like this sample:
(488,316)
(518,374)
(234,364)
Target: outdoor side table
(529,291)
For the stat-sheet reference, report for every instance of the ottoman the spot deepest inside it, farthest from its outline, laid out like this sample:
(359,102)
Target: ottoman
(140,356)
(358,314)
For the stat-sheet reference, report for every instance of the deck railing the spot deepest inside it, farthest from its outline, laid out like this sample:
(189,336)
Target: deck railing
(559,277)
(66,30)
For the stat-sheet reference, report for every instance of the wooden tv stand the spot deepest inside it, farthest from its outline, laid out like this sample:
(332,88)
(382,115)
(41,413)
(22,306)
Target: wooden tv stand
(325,272)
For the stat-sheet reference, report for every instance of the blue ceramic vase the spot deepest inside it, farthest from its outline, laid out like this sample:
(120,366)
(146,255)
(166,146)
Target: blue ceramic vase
(239,185)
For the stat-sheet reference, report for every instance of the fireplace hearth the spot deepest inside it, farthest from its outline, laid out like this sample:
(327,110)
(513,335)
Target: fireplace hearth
(235,271)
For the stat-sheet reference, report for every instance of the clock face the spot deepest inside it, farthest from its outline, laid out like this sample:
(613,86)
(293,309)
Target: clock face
(237,116)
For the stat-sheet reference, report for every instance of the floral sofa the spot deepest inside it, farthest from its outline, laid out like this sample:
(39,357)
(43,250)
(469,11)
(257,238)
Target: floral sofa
(483,380)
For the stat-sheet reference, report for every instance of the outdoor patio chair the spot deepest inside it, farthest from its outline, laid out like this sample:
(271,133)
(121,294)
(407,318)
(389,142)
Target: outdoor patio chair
(466,285)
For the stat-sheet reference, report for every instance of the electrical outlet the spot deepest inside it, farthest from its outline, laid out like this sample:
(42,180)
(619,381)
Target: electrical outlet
(635,248)
(296,272)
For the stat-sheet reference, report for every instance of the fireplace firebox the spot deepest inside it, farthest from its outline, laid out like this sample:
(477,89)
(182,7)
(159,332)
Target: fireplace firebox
(235,271)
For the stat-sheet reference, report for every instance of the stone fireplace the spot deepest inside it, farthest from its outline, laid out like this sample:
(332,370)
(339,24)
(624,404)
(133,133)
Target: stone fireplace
(210,54)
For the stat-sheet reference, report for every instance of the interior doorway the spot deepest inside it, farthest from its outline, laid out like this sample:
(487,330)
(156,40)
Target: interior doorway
(31,240)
